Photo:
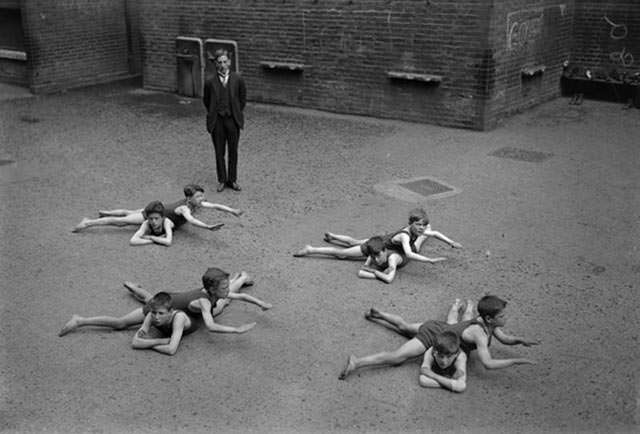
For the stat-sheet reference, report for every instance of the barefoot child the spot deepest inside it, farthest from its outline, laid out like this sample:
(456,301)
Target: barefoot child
(163,326)
(178,212)
(475,333)
(207,302)
(155,229)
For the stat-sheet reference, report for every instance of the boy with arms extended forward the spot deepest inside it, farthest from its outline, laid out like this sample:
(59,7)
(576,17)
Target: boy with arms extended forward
(179,212)
(474,333)
(207,302)
(163,326)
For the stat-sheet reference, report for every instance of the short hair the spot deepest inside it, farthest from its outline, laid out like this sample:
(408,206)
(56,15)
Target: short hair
(490,306)
(220,52)
(447,343)
(373,246)
(153,207)
(418,214)
(161,299)
(212,277)
(191,189)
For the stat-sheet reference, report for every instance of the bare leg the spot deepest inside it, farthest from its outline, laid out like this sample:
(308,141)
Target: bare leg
(138,292)
(338,252)
(469,311)
(117,212)
(454,312)
(76,321)
(238,282)
(393,322)
(410,349)
(130,219)
(343,240)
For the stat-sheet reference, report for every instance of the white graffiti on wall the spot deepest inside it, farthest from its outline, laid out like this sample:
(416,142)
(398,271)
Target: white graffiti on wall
(619,32)
(524,28)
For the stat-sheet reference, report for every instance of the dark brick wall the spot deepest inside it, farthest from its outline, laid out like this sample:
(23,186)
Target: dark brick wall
(73,43)
(347,47)
(527,34)
(607,43)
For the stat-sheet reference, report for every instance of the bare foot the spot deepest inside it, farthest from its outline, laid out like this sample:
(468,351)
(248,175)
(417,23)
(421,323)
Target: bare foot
(373,313)
(69,326)
(136,290)
(351,366)
(468,311)
(102,213)
(328,237)
(83,224)
(266,306)
(302,252)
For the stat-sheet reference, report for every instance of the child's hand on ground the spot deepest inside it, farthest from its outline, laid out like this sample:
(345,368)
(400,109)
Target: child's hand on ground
(215,227)
(456,245)
(266,306)
(529,342)
(525,362)
(238,212)
(438,259)
(246,327)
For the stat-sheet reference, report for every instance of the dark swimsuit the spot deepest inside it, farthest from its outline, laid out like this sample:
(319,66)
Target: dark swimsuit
(429,329)
(170,213)
(182,300)
(166,330)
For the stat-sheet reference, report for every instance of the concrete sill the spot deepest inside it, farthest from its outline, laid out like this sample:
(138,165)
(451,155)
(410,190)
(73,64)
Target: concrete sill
(290,66)
(413,76)
(13,54)
(531,71)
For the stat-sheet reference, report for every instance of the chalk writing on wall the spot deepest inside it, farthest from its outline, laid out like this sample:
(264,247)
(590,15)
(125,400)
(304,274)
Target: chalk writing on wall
(524,28)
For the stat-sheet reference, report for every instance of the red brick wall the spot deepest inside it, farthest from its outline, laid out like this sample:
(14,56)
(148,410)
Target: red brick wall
(74,42)
(347,47)
(527,33)
(607,45)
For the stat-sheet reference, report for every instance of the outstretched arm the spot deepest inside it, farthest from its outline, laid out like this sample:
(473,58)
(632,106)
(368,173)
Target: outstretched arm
(186,212)
(507,339)
(440,236)
(249,299)
(212,326)
(141,342)
(409,253)
(234,211)
(428,378)
(485,356)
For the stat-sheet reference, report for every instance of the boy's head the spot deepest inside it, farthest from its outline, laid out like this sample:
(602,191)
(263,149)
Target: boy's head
(160,307)
(216,282)
(446,349)
(374,248)
(194,193)
(418,220)
(154,213)
(491,310)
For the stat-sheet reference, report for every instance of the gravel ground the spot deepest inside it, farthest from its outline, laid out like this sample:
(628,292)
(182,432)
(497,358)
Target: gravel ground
(557,239)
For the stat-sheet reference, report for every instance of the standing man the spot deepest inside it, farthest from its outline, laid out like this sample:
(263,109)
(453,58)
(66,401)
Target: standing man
(225,96)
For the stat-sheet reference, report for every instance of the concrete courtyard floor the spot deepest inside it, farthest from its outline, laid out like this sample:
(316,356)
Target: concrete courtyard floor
(558,239)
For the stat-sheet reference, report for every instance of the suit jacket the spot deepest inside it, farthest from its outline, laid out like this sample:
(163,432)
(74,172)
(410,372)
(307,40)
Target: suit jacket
(212,88)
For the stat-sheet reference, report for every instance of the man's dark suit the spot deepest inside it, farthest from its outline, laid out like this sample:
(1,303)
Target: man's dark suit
(225,127)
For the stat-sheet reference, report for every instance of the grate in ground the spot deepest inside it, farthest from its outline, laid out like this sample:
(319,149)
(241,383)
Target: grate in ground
(521,154)
(5,162)
(425,187)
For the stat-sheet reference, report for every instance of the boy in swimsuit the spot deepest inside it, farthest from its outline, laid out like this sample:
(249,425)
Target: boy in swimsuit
(475,333)
(444,364)
(155,229)
(178,212)
(381,262)
(217,292)
(163,326)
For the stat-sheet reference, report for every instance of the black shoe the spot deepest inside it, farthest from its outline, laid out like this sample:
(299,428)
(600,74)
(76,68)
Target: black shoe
(221,187)
(235,186)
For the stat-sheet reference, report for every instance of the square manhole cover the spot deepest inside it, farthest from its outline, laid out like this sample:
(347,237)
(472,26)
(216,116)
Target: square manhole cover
(521,154)
(425,187)
(416,189)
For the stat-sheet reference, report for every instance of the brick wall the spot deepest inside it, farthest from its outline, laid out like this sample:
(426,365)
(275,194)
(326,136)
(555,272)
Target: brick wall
(527,34)
(74,42)
(347,48)
(607,35)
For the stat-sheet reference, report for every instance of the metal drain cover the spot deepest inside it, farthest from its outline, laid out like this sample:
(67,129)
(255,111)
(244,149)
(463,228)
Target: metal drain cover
(416,189)
(521,154)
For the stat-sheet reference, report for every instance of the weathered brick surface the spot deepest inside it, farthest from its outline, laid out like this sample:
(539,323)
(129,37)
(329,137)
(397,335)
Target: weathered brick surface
(526,34)
(74,42)
(607,35)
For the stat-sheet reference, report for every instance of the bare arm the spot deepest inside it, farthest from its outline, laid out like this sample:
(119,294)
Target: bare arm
(507,339)
(440,236)
(249,299)
(456,384)
(138,238)
(234,211)
(387,275)
(484,355)
(179,324)
(212,326)
(140,342)
(186,213)
(406,248)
